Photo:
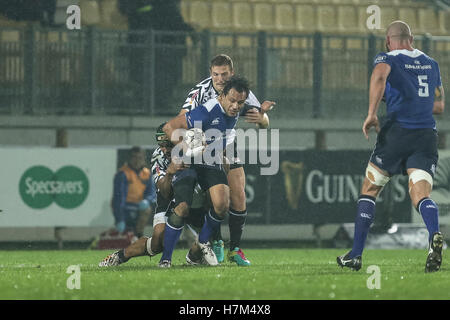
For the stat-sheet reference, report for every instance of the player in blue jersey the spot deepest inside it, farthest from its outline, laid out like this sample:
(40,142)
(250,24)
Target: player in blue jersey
(217,117)
(407,143)
(221,69)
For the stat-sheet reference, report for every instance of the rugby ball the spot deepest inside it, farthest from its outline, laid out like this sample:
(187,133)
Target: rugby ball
(195,140)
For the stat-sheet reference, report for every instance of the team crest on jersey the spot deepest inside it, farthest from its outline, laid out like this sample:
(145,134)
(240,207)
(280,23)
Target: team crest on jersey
(380,59)
(194,96)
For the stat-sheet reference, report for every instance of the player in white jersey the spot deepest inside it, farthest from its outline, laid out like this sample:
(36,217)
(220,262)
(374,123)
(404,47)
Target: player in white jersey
(221,70)
(163,170)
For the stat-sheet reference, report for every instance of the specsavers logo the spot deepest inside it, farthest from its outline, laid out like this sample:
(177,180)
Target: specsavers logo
(68,187)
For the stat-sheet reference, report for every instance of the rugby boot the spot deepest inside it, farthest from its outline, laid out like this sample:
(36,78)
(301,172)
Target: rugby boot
(352,263)
(111,260)
(217,247)
(208,254)
(434,258)
(236,255)
(192,260)
(165,264)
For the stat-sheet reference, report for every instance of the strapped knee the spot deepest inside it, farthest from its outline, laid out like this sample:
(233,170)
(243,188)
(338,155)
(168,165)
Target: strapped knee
(375,177)
(418,175)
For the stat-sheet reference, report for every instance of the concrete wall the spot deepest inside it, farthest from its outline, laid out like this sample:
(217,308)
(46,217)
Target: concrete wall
(85,131)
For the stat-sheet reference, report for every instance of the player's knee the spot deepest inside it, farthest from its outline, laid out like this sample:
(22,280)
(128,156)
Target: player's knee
(221,207)
(420,176)
(375,177)
(420,185)
(182,209)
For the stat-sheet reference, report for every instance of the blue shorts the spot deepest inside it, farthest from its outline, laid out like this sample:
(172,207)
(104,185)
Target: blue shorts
(398,149)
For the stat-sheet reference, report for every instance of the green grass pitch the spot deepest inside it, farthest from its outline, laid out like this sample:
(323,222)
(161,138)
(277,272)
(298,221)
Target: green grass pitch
(275,274)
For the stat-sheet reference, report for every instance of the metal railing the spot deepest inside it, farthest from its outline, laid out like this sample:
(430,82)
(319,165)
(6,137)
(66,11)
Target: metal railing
(101,72)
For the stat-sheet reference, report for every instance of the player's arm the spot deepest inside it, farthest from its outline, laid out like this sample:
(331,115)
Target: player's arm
(259,116)
(376,91)
(165,183)
(179,122)
(439,100)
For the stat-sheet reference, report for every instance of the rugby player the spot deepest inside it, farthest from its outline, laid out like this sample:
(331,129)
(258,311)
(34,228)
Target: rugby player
(221,69)
(407,143)
(221,114)
(163,170)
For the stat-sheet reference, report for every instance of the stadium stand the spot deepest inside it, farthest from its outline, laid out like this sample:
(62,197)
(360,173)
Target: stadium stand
(345,16)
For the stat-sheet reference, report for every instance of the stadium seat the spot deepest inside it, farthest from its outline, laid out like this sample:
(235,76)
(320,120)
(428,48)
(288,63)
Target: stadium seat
(264,17)
(348,19)
(221,14)
(90,12)
(306,17)
(444,17)
(409,15)
(200,14)
(243,16)
(284,17)
(9,36)
(429,21)
(388,14)
(327,18)
(110,15)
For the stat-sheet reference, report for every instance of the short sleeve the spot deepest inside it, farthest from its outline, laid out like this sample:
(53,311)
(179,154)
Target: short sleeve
(199,114)
(382,58)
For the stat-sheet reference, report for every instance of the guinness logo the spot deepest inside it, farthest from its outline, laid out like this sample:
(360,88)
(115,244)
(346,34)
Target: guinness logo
(293,181)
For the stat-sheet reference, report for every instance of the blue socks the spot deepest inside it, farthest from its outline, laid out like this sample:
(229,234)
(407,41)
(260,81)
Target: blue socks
(172,232)
(211,226)
(364,218)
(430,215)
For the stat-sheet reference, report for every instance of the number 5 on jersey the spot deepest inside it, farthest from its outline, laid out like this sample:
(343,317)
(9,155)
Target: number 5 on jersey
(423,86)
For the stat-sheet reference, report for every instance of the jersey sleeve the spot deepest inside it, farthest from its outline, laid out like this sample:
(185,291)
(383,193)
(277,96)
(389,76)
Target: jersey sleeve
(382,58)
(158,167)
(250,103)
(199,114)
(193,99)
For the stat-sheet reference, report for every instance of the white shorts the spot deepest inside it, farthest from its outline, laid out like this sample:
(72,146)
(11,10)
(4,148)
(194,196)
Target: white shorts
(158,218)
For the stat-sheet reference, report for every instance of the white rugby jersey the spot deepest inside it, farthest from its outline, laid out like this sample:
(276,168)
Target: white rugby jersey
(159,163)
(205,91)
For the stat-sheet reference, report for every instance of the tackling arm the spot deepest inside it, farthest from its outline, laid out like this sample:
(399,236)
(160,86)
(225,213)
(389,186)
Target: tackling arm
(179,122)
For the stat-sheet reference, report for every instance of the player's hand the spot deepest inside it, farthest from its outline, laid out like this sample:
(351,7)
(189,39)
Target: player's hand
(371,121)
(267,106)
(253,116)
(175,165)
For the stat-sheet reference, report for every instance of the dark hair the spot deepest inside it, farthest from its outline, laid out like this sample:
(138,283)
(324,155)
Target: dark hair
(221,60)
(238,83)
(134,150)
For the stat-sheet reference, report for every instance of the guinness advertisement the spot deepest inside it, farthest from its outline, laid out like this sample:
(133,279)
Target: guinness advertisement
(318,187)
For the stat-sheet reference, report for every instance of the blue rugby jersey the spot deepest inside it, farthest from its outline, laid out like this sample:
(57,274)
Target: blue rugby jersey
(211,115)
(410,87)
